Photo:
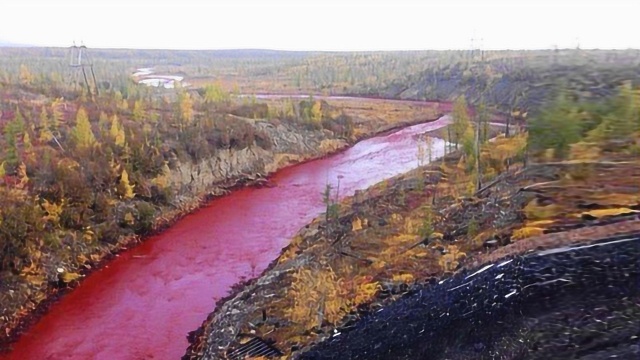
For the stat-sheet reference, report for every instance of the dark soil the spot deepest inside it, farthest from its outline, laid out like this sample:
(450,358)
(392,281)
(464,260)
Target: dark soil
(564,303)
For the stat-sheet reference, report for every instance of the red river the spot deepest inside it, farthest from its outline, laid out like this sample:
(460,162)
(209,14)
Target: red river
(143,304)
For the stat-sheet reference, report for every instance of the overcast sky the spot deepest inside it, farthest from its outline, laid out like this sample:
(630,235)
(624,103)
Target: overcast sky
(322,24)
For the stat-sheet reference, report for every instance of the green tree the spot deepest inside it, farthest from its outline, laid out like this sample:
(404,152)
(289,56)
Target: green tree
(331,204)
(426,228)
(12,130)
(624,118)
(215,94)
(461,120)
(557,127)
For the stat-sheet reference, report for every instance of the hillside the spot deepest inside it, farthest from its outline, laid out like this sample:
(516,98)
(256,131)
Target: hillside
(398,238)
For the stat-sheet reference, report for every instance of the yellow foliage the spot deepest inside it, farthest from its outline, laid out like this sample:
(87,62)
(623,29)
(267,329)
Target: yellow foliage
(356,224)
(68,163)
(186,107)
(540,223)
(25,75)
(68,277)
(36,279)
(129,219)
(396,218)
(52,211)
(584,151)
(117,131)
(88,235)
(290,252)
(316,112)
(163,180)
(316,297)
(22,175)
(503,148)
(404,278)
(82,133)
(365,292)
(412,226)
(450,261)
(608,212)
(608,198)
(397,243)
(526,232)
(126,189)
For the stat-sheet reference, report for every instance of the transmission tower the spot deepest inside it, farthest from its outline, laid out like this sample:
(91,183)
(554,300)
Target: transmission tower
(79,63)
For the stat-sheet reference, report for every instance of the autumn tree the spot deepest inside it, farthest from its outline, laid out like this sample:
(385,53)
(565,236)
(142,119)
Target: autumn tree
(116,132)
(138,111)
(56,114)
(316,113)
(81,133)
(125,188)
(288,109)
(26,77)
(184,108)
(45,134)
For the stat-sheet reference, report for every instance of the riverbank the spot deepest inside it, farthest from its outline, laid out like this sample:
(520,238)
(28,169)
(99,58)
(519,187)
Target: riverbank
(409,231)
(189,203)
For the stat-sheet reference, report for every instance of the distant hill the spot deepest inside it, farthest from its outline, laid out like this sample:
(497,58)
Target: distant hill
(5,43)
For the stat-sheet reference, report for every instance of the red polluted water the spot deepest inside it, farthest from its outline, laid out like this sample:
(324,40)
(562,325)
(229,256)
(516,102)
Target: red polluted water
(143,304)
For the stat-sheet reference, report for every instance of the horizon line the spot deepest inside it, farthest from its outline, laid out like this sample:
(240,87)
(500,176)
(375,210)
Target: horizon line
(8,44)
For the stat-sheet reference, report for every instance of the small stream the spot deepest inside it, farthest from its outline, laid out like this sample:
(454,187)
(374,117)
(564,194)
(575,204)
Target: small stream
(143,304)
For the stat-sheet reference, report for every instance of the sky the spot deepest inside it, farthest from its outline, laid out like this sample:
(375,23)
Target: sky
(330,25)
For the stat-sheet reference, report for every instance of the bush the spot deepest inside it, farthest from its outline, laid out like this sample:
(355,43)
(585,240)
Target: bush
(146,213)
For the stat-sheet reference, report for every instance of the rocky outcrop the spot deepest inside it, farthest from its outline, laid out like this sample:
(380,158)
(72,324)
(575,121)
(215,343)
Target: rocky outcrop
(289,146)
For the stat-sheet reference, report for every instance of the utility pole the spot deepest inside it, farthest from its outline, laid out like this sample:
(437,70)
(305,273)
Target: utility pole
(477,141)
(79,63)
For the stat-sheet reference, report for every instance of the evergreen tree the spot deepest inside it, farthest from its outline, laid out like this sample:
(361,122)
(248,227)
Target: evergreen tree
(460,120)
(557,127)
(12,130)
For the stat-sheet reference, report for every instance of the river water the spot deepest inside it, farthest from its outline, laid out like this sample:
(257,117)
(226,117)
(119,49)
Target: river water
(143,304)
